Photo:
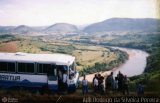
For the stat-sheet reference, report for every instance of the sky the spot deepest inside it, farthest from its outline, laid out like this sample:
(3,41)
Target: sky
(78,12)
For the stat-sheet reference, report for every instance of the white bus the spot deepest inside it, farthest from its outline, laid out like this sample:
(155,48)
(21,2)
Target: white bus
(37,70)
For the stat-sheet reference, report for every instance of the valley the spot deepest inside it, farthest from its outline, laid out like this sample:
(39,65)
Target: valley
(92,48)
(87,56)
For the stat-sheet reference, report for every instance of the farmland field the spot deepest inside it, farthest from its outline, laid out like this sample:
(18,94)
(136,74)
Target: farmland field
(87,55)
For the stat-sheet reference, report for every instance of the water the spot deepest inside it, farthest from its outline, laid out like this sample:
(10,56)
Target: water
(136,63)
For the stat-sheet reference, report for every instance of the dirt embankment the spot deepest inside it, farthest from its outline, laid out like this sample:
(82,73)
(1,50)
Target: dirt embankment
(8,47)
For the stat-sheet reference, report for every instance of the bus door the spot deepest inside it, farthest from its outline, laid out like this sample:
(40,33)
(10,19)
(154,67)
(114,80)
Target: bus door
(52,78)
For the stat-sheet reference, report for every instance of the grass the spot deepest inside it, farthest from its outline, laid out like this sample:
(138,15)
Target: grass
(28,96)
(86,55)
(27,47)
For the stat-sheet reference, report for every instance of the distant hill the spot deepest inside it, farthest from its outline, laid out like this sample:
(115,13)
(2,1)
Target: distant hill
(58,28)
(5,29)
(123,24)
(23,29)
(61,27)
(113,24)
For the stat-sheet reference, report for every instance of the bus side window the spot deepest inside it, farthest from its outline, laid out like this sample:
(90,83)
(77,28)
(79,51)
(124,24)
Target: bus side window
(3,66)
(11,67)
(7,66)
(40,68)
(43,68)
(21,67)
(46,68)
(26,67)
(52,71)
(30,67)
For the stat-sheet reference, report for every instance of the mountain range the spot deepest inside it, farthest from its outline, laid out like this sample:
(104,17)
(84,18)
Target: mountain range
(113,24)
(61,27)
(24,29)
(124,24)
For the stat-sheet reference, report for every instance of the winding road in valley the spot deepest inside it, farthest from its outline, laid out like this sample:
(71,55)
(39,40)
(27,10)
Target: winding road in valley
(135,64)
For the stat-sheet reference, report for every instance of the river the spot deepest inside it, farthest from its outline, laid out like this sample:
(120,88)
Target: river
(135,64)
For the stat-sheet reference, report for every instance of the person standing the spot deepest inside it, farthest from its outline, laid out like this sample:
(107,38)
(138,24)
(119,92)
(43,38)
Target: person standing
(140,89)
(125,85)
(115,84)
(120,81)
(95,84)
(84,86)
(60,81)
(99,81)
(109,82)
(65,81)
(95,76)
(100,84)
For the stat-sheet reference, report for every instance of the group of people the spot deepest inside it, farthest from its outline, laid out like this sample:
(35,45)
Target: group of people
(98,81)
(62,78)
(102,85)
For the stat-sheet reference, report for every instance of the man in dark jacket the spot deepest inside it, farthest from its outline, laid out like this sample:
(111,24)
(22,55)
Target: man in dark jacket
(120,81)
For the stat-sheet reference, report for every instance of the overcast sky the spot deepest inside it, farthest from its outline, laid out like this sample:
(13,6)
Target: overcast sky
(78,12)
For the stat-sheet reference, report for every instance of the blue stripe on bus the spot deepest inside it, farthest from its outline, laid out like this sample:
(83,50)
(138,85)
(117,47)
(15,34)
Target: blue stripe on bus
(53,87)
(9,84)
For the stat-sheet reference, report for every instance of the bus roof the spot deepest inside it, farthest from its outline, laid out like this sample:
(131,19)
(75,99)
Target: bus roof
(59,59)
